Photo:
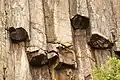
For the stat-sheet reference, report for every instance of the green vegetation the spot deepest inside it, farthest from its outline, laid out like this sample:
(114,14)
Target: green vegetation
(109,71)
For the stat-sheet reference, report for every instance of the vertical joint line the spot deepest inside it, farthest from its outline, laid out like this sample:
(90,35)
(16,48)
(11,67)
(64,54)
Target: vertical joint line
(29,19)
(69,9)
(87,3)
(4,73)
(49,66)
(43,6)
(5,25)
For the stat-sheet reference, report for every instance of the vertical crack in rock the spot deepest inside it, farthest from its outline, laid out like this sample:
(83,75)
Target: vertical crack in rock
(49,20)
(5,26)
(49,66)
(49,31)
(115,31)
(29,18)
(4,73)
(52,57)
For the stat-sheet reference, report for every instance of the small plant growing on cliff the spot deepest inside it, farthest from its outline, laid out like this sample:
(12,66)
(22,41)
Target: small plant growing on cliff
(109,71)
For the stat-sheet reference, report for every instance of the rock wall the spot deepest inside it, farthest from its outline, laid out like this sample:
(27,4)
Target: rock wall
(55,51)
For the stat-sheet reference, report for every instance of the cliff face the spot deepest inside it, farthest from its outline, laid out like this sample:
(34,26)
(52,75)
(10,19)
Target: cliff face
(56,51)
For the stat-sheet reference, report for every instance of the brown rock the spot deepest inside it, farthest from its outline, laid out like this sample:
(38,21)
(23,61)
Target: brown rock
(79,22)
(66,58)
(52,56)
(37,59)
(18,34)
(99,41)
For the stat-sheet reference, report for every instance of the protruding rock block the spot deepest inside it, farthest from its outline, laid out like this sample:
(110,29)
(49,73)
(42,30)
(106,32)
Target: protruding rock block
(37,59)
(32,49)
(65,63)
(66,58)
(52,47)
(52,53)
(99,41)
(18,34)
(52,56)
(79,22)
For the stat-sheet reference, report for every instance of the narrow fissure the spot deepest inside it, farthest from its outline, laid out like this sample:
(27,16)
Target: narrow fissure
(29,19)
(43,1)
(49,68)
(44,17)
(5,26)
(4,73)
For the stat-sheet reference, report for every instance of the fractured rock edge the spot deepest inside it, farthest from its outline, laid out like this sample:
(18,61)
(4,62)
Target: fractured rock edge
(99,41)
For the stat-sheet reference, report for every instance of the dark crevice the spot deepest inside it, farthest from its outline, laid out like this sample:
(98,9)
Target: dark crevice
(117,54)
(88,77)
(49,68)
(4,73)
(5,26)
(50,72)
(43,4)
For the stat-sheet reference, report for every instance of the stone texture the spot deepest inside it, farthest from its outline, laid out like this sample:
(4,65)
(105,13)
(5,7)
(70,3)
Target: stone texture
(66,58)
(52,57)
(116,19)
(62,22)
(48,25)
(37,59)
(37,26)
(38,39)
(101,17)
(84,58)
(99,41)
(32,49)
(79,22)
(18,35)
(58,27)
(3,48)
(20,62)
(17,15)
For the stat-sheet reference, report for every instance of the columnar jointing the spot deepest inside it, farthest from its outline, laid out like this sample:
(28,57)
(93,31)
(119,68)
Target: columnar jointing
(97,40)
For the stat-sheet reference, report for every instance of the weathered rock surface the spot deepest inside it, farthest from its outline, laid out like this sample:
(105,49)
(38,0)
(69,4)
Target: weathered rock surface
(99,41)
(66,58)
